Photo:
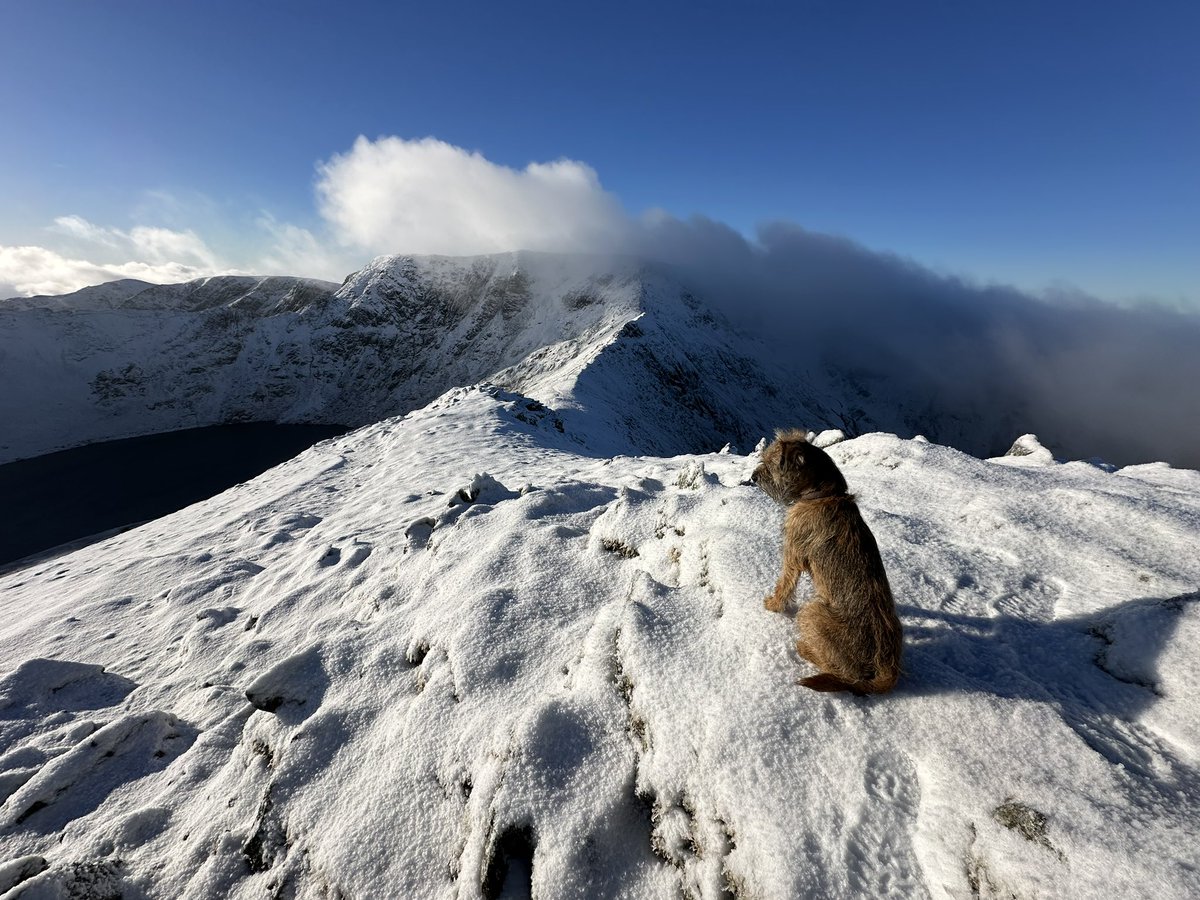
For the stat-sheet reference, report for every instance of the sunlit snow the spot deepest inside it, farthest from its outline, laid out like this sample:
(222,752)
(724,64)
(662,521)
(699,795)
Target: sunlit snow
(463,653)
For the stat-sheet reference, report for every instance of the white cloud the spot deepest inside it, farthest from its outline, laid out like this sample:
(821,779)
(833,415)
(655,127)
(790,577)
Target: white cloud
(385,196)
(96,254)
(297,251)
(163,245)
(156,245)
(37,270)
(426,196)
(80,228)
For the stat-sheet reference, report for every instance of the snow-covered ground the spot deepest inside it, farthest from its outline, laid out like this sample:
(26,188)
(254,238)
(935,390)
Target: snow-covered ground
(459,654)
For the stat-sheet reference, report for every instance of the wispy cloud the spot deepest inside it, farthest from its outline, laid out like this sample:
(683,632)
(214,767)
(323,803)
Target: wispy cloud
(81,229)
(143,243)
(292,250)
(94,254)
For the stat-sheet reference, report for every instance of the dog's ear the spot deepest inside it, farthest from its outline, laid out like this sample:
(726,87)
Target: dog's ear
(791,452)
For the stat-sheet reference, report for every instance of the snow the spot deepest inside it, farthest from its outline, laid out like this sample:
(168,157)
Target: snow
(827,438)
(465,652)
(509,640)
(1026,450)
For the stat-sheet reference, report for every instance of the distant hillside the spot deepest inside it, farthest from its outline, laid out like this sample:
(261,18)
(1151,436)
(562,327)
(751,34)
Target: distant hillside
(654,369)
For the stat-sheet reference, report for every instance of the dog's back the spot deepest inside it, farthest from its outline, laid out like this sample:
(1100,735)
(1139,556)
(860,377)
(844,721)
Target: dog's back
(849,630)
(851,623)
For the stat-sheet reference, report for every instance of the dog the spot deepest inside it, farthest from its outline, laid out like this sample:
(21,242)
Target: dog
(849,630)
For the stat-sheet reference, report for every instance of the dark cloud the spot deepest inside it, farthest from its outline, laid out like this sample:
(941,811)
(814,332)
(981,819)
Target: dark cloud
(1091,378)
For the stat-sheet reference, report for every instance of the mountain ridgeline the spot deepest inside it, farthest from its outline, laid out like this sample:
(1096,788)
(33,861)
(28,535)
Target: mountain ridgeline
(628,359)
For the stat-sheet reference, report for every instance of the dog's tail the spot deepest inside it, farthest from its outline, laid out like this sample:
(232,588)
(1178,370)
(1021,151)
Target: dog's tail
(880,684)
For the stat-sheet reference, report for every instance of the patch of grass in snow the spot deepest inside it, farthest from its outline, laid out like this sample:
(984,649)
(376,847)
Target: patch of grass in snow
(690,477)
(1025,821)
(619,547)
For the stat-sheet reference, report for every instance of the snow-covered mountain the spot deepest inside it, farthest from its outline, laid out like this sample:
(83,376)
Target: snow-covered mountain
(630,359)
(394,336)
(109,295)
(508,642)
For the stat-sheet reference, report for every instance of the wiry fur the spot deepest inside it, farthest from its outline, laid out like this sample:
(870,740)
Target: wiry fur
(849,630)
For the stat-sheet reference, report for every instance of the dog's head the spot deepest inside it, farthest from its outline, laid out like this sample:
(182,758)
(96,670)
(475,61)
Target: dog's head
(792,469)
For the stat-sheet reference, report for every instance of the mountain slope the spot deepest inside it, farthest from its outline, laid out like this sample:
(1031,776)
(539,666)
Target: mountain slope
(377,671)
(634,361)
(393,337)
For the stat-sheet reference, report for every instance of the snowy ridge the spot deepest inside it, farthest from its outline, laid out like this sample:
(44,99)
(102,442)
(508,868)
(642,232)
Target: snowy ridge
(378,671)
(632,359)
(110,295)
(511,643)
(245,293)
(397,334)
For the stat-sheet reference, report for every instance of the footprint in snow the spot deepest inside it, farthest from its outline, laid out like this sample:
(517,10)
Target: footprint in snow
(38,686)
(1034,601)
(286,528)
(418,533)
(880,860)
(483,488)
(509,870)
(478,496)
(218,617)
(358,551)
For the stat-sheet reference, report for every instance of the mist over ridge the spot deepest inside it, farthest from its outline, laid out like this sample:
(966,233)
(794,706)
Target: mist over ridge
(1092,378)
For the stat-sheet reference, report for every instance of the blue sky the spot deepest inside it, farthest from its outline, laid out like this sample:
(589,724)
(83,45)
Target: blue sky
(1030,143)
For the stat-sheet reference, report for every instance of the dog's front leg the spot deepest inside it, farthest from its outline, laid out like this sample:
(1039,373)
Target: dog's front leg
(794,564)
(784,588)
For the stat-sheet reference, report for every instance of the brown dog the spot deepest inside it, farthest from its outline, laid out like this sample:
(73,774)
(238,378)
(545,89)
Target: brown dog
(849,629)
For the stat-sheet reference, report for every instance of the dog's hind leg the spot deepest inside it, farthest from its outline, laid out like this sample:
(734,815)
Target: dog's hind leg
(820,633)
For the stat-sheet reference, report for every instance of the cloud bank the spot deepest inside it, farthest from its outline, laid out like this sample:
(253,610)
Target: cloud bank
(1091,378)
(26,271)
(147,253)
